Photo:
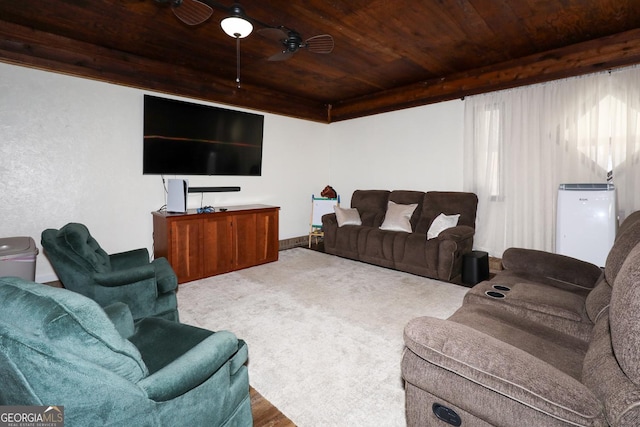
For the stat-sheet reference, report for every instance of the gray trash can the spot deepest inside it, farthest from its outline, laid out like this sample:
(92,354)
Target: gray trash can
(18,257)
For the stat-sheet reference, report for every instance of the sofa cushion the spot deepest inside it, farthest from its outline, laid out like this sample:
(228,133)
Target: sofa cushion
(624,243)
(441,223)
(347,216)
(624,315)
(536,297)
(598,300)
(409,197)
(554,269)
(372,204)
(555,308)
(459,362)
(415,254)
(377,246)
(449,203)
(602,374)
(347,240)
(628,222)
(560,350)
(398,217)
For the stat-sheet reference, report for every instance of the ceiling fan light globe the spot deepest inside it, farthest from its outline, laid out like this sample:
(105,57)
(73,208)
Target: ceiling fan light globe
(236,27)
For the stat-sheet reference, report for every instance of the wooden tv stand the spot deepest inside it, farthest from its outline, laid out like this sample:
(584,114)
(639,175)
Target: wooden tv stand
(203,245)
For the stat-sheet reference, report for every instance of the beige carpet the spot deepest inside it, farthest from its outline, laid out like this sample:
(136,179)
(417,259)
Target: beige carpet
(324,333)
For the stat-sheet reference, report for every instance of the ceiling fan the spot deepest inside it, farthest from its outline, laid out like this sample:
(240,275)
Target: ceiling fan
(291,42)
(238,25)
(191,12)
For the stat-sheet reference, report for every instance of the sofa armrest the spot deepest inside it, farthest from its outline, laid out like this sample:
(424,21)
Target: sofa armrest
(121,317)
(128,259)
(452,244)
(139,292)
(329,220)
(166,278)
(125,277)
(192,368)
(457,233)
(498,366)
(555,266)
(330,230)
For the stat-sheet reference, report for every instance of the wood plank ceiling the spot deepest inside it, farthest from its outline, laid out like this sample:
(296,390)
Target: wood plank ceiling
(388,55)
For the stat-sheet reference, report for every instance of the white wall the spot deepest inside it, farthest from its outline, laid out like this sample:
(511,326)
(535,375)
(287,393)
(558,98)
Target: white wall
(71,150)
(414,149)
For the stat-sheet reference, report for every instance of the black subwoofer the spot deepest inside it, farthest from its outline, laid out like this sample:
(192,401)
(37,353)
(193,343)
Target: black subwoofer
(475,267)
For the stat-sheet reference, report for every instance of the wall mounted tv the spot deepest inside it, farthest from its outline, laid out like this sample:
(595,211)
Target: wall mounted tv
(181,138)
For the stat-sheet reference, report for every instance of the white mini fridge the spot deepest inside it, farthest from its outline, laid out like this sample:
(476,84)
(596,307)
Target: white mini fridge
(586,222)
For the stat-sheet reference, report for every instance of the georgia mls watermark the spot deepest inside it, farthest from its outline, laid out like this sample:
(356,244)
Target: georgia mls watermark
(31,416)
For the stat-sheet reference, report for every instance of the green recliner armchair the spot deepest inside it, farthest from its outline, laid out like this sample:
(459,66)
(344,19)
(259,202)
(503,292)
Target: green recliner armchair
(148,288)
(60,348)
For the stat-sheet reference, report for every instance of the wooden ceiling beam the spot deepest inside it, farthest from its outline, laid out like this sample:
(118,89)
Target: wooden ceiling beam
(596,55)
(28,47)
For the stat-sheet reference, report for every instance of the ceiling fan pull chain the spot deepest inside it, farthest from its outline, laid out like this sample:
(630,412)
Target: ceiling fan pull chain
(238,61)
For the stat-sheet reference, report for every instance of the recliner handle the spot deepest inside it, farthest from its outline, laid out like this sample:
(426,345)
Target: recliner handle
(446,414)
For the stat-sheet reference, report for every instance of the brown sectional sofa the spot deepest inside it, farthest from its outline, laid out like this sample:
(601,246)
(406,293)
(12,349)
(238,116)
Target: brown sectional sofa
(439,258)
(557,345)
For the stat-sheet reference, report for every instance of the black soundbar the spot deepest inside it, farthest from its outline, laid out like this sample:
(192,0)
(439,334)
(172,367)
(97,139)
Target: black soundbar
(212,189)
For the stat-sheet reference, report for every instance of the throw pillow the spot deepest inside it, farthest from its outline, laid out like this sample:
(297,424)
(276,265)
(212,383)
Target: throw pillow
(398,217)
(441,223)
(347,216)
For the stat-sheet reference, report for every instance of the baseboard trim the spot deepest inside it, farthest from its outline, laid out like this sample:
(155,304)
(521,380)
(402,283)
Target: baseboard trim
(294,242)
(46,278)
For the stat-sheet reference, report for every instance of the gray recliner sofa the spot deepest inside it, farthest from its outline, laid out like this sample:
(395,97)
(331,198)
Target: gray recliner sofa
(438,258)
(549,341)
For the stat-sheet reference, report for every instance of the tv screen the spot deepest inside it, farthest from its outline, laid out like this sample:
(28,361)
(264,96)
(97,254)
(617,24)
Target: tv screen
(181,138)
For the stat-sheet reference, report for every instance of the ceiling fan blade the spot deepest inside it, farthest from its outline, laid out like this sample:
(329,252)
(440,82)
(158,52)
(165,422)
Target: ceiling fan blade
(192,12)
(281,56)
(275,34)
(322,43)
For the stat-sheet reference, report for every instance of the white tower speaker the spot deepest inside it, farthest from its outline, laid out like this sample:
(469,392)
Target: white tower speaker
(177,195)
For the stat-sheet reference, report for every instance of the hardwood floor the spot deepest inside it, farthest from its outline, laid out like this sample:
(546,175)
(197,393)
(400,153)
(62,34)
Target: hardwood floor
(264,413)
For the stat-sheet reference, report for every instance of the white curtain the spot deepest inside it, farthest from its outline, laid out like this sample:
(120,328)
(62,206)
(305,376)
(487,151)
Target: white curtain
(625,138)
(521,144)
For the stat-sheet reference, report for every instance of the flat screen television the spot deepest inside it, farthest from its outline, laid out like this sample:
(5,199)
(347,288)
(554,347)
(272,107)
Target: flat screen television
(182,138)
